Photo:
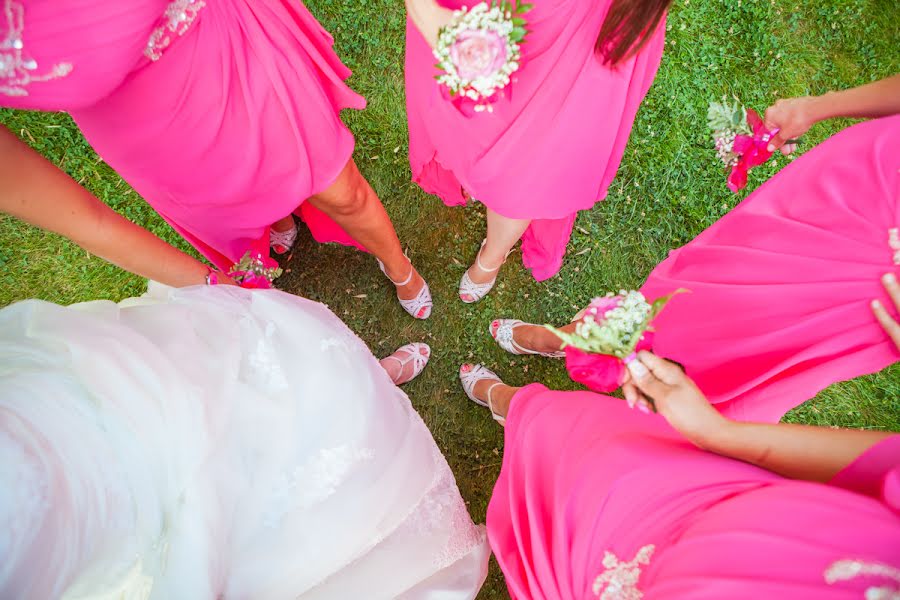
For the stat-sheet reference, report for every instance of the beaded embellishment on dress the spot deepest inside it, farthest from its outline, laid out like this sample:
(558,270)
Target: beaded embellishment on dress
(179,17)
(17,68)
(894,243)
(847,569)
(619,579)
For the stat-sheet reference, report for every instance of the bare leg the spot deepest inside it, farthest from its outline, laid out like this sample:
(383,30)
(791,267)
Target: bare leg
(502,235)
(352,203)
(284,224)
(501,395)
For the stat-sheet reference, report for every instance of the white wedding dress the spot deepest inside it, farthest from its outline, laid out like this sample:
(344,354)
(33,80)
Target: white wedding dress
(214,442)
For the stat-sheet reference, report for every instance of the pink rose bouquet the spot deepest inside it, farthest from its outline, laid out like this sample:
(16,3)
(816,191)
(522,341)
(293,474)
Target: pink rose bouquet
(741,139)
(610,332)
(479,51)
(255,271)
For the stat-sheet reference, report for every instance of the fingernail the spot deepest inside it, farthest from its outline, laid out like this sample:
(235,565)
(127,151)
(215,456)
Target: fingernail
(637,369)
(876,304)
(643,408)
(771,148)
(889,278)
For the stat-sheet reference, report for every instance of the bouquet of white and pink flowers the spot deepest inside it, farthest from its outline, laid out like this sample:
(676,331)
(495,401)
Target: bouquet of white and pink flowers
(255,271)
(741,139)
(479,51)
(609,333)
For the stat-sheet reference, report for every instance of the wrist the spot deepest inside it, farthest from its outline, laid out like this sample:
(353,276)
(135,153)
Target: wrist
(719,436)
(824,107)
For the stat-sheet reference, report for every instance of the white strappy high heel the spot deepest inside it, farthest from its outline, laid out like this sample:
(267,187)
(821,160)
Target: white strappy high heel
(502,332)
(282,239)
(477,291)
(414,306)
(470,378)
(413,353)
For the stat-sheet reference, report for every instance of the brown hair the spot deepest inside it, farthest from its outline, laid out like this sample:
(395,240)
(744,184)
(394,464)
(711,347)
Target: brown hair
(627,27)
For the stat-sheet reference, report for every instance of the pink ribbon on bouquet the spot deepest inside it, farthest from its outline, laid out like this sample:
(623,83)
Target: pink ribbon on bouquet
(753,150)
(466,106)
(260,260)
(601,372)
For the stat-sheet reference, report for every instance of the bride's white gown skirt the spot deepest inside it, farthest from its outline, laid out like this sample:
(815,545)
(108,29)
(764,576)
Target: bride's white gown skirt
(214,442)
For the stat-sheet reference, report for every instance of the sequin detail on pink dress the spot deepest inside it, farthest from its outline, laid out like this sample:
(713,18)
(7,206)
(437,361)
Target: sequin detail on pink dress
(179,17)
(847,569)
(17,68)
(619,580)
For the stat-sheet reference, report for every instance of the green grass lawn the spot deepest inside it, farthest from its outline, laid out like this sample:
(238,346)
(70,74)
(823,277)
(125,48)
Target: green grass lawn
(669,188)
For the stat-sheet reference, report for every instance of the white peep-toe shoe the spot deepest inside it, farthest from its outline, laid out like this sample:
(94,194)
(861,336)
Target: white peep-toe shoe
(502,332)
(477,291)
(419,307)
(470,378)
(413,353)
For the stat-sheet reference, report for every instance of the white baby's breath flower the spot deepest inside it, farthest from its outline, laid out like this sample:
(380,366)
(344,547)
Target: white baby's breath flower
(484,18)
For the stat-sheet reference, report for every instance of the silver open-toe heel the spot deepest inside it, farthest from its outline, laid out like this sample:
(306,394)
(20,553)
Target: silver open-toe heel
(281,242)
(419,307)
(413,353)
(477,291)
(470,378)
(502,332)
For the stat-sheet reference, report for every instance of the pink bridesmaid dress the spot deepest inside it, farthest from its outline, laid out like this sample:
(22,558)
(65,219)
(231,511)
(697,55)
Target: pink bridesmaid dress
(595,500)
(222,114)
(781,286)
(552,146)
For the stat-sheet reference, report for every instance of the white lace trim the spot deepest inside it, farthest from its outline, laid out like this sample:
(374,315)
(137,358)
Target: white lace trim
(314,481)
(263,367)
(17,69)
(179,17)
(442,508)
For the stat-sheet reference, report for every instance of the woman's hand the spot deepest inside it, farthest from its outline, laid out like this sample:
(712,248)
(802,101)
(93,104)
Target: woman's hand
(792,117)
(881,312)
(429,17)
(795,451)
(676,397)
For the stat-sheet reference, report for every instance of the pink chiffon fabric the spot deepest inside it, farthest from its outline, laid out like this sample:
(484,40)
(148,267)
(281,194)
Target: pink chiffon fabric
(551,146)
(781,286)
(233,128)
(588,486)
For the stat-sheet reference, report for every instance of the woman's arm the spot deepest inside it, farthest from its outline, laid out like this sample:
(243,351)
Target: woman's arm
(794,116)
(794,451)
(428,17)
(34,190)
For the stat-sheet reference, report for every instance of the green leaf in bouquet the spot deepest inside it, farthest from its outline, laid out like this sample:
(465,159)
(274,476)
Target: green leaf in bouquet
(659,304)
(727,116)
(620,340)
